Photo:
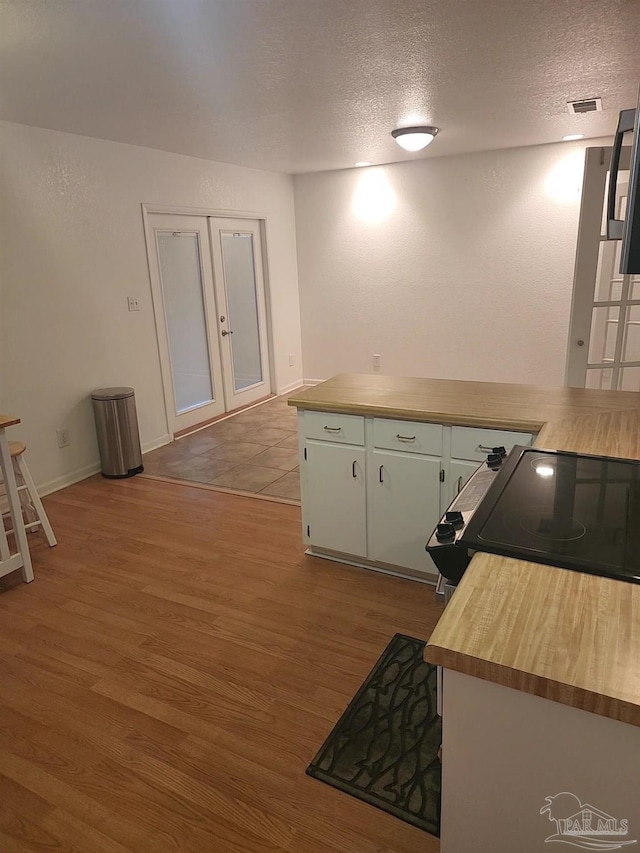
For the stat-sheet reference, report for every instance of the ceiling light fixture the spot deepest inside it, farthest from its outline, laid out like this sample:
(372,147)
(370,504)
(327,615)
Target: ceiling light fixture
(362,163)
(572,136)
(414,138)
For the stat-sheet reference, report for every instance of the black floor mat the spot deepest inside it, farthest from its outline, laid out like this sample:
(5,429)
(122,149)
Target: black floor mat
(384,748)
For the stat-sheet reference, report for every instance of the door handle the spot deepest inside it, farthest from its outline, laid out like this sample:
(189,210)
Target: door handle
(225,332)
(626,122)
(380,474)
(459,484)
(353,470)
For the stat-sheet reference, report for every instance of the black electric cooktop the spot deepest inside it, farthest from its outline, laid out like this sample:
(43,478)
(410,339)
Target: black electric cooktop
(565,509)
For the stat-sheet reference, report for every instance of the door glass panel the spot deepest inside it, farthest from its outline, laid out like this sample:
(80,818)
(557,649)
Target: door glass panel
(608,282)
(599,378)
(629,379)
(180,273)
(631,351)
(604,327)
(242,307)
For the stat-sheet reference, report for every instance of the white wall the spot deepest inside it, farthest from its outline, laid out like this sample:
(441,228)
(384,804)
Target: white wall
(457,267)
(72,251)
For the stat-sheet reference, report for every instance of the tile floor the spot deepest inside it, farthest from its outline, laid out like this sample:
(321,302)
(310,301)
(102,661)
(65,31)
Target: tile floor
(255,452)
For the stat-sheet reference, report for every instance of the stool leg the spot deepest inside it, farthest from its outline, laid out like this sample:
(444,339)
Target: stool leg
(35,500)
(5,554)
(28,510)
(23,557)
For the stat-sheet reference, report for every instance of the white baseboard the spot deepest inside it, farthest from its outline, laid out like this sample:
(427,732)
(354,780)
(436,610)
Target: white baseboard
(67,479)
(290,387)
(148,446)
(312,381)
(89,470)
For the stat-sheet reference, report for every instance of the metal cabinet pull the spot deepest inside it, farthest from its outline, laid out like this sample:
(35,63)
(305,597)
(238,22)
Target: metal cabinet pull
(332,429)
(405,437)
(459,484)
(482,449)
(380,473)
(353,470)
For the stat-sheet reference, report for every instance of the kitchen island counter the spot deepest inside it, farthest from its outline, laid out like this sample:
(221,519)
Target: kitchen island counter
(486,404)
(566,636)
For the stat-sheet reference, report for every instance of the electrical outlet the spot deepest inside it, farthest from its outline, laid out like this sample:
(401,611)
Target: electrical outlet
(63,437)
(290,359)
(376,361)
(133,303)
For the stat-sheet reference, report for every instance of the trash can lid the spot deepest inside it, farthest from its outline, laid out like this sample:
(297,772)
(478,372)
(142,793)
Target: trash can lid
(112,393)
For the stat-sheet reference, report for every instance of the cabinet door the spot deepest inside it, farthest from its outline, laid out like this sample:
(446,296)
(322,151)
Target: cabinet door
(405,504)
(459,473)
(335,506)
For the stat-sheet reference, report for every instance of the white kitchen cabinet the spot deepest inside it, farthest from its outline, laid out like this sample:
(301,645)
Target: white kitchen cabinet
(469,448)
(473,443)
(404,498)
(407,436)
(335,507)
(328,426)
(507,752)
(348,514)
(459,472)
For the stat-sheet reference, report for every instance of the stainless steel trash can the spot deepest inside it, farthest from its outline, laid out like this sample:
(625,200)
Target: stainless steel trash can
(117,427)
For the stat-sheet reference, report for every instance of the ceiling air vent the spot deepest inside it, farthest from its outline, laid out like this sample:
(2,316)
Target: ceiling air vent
(587,105)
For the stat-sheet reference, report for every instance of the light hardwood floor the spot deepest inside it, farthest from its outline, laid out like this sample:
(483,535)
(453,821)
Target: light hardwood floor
(172,670)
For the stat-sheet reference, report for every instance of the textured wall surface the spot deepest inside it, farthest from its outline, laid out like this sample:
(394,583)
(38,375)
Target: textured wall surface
(459,267)
(72,251)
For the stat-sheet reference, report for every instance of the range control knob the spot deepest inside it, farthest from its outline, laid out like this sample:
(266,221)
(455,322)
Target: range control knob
(445,532)
(500,450)
(454,516)
(494,460)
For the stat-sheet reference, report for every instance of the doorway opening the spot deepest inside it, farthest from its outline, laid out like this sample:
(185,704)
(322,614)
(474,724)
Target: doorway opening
(211,312)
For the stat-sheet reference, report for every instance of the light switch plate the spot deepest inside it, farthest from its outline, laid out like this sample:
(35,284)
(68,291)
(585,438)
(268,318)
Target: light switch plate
(133,303)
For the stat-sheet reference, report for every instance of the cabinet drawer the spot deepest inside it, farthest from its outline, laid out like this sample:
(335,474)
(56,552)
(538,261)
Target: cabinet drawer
(471,442)
(328,426)
(409,436)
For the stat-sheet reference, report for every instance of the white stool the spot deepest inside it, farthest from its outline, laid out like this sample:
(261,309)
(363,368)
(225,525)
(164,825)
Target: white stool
(32,508)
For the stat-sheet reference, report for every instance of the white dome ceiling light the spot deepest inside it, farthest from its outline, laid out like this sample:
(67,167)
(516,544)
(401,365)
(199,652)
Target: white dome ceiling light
(414,138)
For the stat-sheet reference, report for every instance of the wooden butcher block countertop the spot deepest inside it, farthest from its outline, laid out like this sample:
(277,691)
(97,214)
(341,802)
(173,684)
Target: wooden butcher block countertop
(567,636)
(487,404)
(8,420)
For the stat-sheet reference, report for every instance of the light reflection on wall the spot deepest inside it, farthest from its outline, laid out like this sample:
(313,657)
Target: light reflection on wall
(564,181)
(373,200)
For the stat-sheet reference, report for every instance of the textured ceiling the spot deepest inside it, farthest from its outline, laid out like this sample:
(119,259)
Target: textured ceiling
(306,85)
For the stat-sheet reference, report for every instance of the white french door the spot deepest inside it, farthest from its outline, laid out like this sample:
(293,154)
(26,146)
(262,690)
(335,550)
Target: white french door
(604,336)
(239,280)
(209,304)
